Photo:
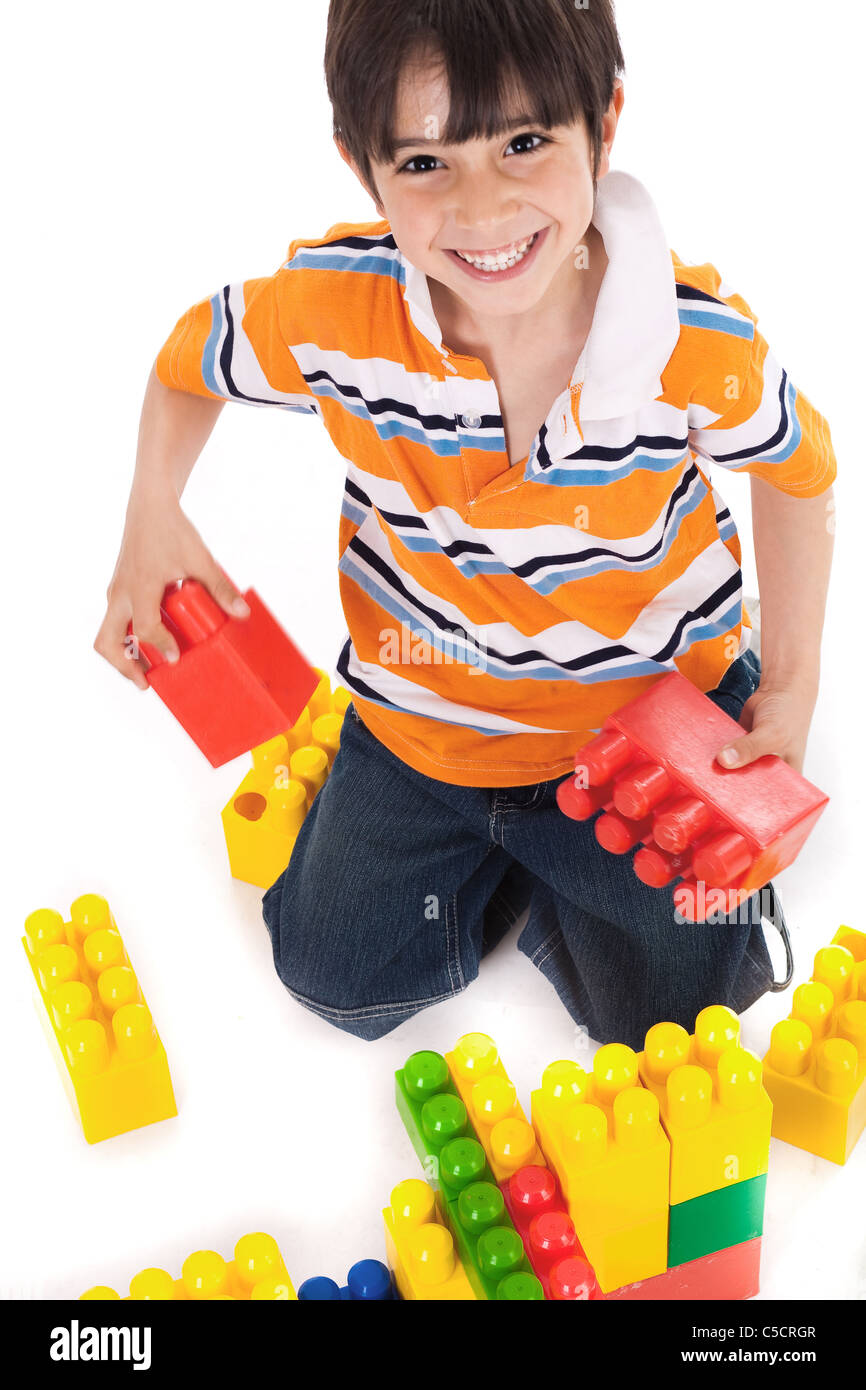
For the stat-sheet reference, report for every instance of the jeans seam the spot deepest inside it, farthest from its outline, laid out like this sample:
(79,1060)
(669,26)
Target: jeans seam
(452,943)
(368,1010)
(556,938)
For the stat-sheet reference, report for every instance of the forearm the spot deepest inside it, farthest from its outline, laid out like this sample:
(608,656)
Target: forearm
(793,539)
(174,428)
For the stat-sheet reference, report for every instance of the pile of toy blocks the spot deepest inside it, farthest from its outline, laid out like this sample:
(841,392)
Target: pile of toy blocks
(264,815)
(643,1180)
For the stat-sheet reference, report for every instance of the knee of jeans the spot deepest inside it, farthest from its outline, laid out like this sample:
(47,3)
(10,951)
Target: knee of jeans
(369,1023)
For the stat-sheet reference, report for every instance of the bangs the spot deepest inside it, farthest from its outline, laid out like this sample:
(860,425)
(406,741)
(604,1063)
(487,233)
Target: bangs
(505,62)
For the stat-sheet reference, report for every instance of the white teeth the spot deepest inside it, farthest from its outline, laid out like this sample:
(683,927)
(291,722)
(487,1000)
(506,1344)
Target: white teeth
(502,260)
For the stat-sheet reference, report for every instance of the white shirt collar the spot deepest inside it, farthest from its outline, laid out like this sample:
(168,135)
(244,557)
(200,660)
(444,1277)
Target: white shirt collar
(635,326)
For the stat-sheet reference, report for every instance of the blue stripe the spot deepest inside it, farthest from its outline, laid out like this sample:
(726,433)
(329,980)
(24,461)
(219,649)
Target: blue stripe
(366,265)
(569,473)
(208,357)
(700,318)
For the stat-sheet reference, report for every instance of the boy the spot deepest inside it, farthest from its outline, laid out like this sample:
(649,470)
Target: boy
(521,378)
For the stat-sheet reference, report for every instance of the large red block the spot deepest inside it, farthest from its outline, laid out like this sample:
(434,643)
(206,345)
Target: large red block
(653,773)
(239,681)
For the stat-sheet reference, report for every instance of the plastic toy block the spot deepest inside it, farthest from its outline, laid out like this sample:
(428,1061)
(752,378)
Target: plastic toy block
(603,1137)
(438,1126)
(713,1106)
(238,682)
(490,1247)
(368,1281)
(716,1220)
(534,1202)
(421,1253)
(732,1273)
(109,1053)
(262,818)
(494,1111)
(257,1272)
(815,1069)
(653,773)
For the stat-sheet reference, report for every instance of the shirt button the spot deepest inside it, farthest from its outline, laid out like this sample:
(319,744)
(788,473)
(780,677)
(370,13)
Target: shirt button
(471,421)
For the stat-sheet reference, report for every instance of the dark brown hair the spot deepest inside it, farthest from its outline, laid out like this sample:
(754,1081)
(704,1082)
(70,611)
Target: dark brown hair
(564,57)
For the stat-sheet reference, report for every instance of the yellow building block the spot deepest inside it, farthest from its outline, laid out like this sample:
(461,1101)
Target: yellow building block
(262,818)
(815,1069)
(421,1252)
(494,1111)
(601,1134)
(713,1106)
(108,1050)
(257,1272)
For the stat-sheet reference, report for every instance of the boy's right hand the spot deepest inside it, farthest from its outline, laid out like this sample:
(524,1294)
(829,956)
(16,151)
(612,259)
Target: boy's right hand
(160,546)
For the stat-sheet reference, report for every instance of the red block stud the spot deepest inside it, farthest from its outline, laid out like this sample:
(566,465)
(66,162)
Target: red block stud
(239,681)
(617,834)
(637,793)
(681,823)
(579,803)
(657,869)
(573,1281)
(604,756)
(723,860)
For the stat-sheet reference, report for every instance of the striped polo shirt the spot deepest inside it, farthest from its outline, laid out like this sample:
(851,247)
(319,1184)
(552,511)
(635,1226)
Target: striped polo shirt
(497,614)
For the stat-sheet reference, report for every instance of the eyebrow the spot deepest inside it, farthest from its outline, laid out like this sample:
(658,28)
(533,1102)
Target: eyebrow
(422,140)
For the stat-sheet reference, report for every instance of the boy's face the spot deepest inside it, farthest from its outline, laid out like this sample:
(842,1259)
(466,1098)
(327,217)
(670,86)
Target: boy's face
(524,198)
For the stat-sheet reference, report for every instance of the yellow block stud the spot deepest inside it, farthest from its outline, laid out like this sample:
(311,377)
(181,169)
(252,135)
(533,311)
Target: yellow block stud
(108,1051)
(421,1252)
(491,1103)
(713,1106)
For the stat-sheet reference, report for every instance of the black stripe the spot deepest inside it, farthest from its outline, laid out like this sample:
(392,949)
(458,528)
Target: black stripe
(753,450)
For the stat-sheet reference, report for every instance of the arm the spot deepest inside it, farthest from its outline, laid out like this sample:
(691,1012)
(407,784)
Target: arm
(793,548)
(230,346)
(159,542)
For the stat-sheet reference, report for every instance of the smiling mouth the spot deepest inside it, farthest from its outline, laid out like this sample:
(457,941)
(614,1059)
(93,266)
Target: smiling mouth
(503,258)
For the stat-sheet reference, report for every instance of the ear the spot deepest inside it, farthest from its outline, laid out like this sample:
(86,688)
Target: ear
(609,125)
(347,159)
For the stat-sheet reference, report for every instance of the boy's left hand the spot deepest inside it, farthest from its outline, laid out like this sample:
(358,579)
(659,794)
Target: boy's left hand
(778,722)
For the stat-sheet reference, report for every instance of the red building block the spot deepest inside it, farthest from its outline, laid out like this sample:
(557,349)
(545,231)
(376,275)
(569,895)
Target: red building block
(733,1273)
(535,1204)
(653,772)
(238,682)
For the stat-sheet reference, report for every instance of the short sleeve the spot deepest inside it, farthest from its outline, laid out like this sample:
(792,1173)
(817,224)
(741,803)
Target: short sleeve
(232,346)
(746,414)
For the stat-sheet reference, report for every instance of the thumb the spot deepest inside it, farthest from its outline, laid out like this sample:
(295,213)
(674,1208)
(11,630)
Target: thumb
(764,738)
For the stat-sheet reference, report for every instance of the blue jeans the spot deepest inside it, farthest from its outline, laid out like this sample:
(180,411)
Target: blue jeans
(399,884)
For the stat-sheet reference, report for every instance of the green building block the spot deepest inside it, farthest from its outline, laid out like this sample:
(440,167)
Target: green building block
(490,1248)
(438,1125)
(716,1220)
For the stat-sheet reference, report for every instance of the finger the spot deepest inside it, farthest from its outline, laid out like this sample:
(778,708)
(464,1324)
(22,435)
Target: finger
(148,627)
(221,588)
(766,738)
(113,644)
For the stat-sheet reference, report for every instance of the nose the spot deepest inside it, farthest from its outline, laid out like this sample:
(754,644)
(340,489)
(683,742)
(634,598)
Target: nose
(484,210)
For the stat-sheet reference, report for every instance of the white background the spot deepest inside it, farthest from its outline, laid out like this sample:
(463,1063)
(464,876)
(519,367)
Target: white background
(155,154)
